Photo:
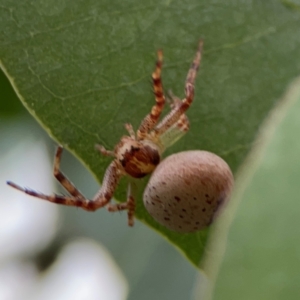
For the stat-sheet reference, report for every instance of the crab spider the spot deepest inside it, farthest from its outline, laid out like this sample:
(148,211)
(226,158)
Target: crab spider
(137,154)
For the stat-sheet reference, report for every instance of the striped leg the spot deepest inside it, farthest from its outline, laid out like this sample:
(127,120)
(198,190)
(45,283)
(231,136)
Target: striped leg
(110,181)
(170,119)
(59,199)
(183,123)
(103,151)
(62,179)
(129,205)
(130,130)
(151,119)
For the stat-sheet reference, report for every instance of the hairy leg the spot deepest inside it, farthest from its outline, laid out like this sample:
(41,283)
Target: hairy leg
(174,115)
(151,119)
(110,181)
(130,130)
(103,151)
(62,179)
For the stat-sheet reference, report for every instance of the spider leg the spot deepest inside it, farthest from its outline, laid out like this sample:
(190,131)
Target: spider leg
(129,205)
(103,151)
(62,179)
(110,181)
(151,119)
(183,123)
(177,130)
(130,130)
(173,116)
(59,199)
(173,100)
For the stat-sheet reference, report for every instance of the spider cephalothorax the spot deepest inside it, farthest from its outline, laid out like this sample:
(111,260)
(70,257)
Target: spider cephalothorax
(135,155)
(138,158)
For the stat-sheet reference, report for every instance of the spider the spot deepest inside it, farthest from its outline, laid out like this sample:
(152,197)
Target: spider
(137,154)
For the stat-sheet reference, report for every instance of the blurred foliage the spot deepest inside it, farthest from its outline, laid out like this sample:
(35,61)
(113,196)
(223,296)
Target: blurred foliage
(146,259)
(261,260)
(82,68)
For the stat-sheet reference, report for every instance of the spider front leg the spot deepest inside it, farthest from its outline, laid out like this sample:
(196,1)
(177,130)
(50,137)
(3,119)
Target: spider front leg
(174,115)
(183,123)
(129,205)
(151,119)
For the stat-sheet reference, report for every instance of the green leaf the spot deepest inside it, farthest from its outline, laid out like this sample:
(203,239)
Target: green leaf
(261,260)
(82,68)
(11,104)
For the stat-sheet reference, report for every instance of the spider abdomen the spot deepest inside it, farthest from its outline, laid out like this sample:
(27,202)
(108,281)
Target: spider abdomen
(137,158)
(188,189)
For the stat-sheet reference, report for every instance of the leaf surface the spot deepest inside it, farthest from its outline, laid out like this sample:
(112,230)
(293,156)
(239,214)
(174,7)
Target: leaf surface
(82,69)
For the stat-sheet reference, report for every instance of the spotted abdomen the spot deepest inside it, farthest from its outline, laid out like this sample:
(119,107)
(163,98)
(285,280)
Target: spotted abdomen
(188,189)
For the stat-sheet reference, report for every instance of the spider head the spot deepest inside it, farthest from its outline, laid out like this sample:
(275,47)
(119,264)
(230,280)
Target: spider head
(138,158)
